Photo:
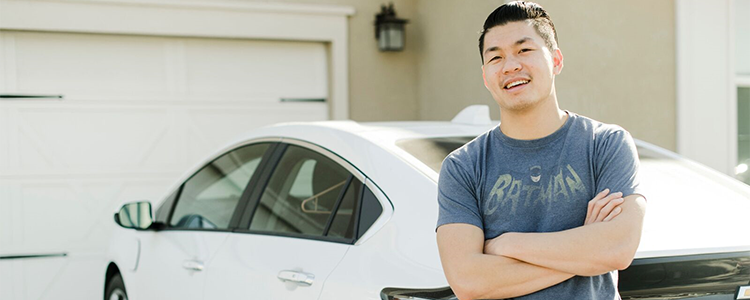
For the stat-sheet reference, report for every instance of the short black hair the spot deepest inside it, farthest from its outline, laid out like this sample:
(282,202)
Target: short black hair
(521,11)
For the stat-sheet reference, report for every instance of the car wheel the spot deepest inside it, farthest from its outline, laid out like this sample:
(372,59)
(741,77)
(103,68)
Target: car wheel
(115,289)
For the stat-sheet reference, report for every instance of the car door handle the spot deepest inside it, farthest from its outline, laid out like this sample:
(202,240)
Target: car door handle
(193,265)
(301,278)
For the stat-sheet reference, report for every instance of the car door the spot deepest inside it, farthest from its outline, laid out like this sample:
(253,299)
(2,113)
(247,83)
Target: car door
(173,261)
(297,228)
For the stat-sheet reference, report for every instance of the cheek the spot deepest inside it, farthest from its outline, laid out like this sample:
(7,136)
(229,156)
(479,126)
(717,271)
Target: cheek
(492,73)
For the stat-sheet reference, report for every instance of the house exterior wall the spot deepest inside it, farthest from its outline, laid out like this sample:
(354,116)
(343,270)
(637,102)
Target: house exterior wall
(619,62)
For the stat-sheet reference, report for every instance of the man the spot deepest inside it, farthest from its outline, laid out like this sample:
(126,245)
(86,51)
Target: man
(547,204)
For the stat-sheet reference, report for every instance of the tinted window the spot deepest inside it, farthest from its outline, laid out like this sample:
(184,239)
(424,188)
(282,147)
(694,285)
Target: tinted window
(208,199)
(371,210)
(343,222)
(162,213)
(432,151)
(301,194)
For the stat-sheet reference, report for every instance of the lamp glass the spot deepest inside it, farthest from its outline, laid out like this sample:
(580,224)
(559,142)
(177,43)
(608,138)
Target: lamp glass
(396,37)
(391,37)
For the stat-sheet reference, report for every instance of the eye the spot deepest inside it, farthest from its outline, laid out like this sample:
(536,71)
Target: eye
(494,58)
(525,50)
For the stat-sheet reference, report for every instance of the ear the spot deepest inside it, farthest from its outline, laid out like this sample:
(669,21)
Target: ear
(557,62)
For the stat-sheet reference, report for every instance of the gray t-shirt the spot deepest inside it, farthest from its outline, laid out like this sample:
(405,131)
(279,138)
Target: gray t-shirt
(501,184)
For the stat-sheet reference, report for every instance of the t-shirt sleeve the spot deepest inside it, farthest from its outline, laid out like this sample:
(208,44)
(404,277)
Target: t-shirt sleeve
(617,164)
(457,199)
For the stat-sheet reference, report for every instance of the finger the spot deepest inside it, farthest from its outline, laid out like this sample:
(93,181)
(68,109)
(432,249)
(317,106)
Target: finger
(596,214)
(615,212)
(590,207)
(607,205)
(607,209)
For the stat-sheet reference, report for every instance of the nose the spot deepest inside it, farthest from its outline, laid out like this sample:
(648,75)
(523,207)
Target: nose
(511,66)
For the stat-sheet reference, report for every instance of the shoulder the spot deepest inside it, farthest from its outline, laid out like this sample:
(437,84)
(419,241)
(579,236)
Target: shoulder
(473,148)
(600,131)
(468,155)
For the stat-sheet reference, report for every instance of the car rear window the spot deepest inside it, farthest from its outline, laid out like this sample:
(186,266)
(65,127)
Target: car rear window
(432,151)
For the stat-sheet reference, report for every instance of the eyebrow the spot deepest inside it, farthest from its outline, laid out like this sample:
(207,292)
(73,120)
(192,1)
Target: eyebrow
(518,42)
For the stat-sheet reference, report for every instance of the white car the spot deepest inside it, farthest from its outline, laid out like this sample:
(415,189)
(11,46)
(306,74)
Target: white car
(346,210)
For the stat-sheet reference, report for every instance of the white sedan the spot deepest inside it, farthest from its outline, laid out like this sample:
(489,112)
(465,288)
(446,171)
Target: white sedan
(346,210)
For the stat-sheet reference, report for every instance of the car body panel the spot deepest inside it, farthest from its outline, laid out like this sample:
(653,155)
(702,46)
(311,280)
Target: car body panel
(162,273)
(249,266)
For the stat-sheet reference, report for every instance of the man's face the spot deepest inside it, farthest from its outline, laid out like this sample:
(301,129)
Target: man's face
(518,68)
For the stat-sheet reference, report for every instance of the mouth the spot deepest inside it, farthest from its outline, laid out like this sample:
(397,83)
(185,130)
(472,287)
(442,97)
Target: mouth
(516,84)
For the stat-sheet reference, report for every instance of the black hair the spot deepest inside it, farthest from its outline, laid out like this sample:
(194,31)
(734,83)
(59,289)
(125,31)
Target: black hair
(521,11)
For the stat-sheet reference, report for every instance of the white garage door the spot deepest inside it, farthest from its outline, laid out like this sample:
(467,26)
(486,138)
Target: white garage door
(136,112)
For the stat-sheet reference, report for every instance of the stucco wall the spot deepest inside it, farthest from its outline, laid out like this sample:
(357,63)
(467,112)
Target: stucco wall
(619,61)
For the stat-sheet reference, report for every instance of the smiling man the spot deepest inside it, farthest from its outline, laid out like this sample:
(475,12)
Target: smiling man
(546,205)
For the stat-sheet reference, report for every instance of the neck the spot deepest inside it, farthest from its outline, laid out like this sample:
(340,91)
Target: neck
(534,122)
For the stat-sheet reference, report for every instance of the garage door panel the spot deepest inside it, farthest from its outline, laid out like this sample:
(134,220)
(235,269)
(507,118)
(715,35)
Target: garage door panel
(227,67)
(36,272)
(80,62)
(3,62)
(93,138)
(6,217)
(6,279)
(51,213)
(31,152)
(5,124)
(211,128)
(165,149)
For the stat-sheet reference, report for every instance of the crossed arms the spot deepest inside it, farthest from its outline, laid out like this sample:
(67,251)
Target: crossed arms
(516,264)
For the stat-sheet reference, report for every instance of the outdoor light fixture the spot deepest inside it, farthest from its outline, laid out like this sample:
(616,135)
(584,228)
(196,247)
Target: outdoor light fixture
(389,29)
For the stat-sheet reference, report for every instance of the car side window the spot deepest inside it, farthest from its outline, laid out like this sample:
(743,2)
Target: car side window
(209,198)
(301,194)
(162,213)
(371,211)
(343,222)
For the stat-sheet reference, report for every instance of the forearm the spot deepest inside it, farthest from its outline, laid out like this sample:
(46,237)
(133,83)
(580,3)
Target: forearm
(473,274)
(491,277)
(587,250)
(576,251)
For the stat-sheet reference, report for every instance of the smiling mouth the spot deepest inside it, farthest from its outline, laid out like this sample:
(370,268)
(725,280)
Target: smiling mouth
(516,83)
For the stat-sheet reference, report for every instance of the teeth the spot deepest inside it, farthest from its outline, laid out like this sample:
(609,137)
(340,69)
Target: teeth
(515,83)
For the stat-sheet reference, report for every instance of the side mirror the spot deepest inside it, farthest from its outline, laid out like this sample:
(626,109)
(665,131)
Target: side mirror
(135,215)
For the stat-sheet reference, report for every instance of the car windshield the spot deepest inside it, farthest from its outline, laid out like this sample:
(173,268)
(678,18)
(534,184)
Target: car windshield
(432,151)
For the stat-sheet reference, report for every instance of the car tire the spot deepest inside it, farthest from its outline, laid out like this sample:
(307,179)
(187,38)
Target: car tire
(115,289)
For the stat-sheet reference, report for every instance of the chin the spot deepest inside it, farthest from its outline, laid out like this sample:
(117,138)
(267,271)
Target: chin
(518,106)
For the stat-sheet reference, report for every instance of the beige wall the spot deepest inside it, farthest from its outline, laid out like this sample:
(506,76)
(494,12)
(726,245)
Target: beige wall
(619,61)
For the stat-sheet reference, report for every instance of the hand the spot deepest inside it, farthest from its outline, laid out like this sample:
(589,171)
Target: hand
(604,207)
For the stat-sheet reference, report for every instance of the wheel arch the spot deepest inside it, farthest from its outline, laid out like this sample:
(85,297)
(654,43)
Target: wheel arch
(112,270)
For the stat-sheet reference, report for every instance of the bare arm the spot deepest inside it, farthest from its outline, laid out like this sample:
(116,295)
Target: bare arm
(475,275)
(588,250)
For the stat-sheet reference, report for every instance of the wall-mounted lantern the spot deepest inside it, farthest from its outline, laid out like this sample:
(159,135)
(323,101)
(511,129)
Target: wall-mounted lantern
(389,29)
